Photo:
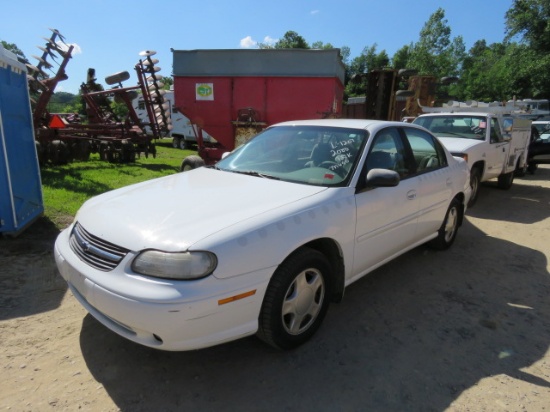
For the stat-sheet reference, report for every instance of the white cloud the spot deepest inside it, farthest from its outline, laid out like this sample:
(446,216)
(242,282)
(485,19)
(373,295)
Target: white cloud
(315,12)
(270,41)
(248,42)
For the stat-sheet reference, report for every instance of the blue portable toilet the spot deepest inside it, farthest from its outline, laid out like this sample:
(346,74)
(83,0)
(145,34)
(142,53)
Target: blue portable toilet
(21,201)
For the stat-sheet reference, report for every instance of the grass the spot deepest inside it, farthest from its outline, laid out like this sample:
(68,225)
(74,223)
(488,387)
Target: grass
(66,187)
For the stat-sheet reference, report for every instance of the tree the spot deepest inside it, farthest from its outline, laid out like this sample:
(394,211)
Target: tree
(401,57)
(168,82)
(435,53)
(485,73)
(291,40)
(367,61)
(530,19)
(14,49)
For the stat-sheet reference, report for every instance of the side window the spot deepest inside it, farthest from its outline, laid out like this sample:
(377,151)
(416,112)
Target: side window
(387,152)
(427,151)
(496,135)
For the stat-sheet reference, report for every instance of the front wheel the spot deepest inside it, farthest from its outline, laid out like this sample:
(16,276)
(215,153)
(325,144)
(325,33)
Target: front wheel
(475,181)
(449,228)
(296,300)
(191,162)
(506,180)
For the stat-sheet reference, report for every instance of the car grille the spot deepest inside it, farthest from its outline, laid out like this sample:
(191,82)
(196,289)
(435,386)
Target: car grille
(95,252)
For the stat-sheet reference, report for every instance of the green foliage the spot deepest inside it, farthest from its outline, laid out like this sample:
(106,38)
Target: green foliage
(401,57)
(66,187)
(529,70)
(530,19)
(168,82)
(14,49)
(367,61)
(291,40)
(436,53)
(119,109)
(498,71)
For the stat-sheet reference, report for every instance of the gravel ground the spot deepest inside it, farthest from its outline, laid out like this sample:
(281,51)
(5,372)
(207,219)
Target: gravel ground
(462,330)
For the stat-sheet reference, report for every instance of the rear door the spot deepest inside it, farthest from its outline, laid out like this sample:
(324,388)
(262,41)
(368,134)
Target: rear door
(434,180)
(497,150)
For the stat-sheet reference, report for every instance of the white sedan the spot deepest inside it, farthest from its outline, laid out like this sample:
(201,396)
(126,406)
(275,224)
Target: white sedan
(264,240)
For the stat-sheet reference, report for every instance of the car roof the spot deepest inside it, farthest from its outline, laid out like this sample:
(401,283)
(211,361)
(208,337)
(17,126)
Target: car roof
(346,123)
(457,113)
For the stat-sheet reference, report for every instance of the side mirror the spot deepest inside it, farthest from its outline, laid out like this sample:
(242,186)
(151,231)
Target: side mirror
(382,178)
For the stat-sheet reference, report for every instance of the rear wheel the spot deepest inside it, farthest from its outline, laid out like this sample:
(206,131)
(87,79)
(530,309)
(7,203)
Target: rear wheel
(520,170)
(449,228)
(296,300)
(175,142)
(183,144)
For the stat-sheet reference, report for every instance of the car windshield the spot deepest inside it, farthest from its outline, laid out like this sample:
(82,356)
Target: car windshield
(466,127)
(314,155)
(543,129)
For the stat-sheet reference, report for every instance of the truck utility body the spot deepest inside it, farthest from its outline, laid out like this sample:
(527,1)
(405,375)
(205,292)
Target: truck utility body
(493,141)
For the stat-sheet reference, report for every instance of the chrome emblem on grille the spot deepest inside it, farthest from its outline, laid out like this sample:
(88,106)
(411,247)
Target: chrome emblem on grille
(85,246)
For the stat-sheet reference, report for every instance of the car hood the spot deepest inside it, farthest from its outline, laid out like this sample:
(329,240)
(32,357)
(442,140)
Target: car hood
(174,212)
(458,145)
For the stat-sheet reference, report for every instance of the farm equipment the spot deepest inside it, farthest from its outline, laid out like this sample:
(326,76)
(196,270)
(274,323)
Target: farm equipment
(394,94)
(234,94)
(62,137)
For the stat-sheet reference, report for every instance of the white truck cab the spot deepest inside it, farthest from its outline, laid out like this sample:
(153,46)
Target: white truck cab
(492,139)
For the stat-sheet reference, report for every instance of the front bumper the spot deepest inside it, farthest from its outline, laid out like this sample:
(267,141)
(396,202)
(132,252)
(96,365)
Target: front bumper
(162,314)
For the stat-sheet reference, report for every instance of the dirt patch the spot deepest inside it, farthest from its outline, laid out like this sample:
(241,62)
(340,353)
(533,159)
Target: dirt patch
(463,330)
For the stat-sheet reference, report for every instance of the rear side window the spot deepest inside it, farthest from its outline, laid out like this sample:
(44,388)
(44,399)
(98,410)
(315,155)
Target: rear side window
(427,151)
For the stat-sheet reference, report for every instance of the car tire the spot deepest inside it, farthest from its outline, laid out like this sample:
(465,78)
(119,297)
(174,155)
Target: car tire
(176,142)
(183,144)
(449,228)
(296,300)
(191,162)
(532,168)
(475,181)
(520,170)
(506,180)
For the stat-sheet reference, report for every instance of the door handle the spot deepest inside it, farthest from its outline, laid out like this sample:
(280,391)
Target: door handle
(449,182)
(411,194)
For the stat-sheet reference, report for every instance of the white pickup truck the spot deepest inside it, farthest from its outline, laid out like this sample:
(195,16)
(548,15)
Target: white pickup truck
(493,142)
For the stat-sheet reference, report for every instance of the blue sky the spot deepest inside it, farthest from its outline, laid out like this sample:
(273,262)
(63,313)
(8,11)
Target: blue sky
(108,35)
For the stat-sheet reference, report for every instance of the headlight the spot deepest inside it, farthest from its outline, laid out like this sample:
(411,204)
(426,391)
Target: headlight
(180,265)
(462,155)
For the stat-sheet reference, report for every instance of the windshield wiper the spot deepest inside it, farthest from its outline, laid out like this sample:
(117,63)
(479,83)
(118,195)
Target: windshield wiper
(446,133)
(254,173)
